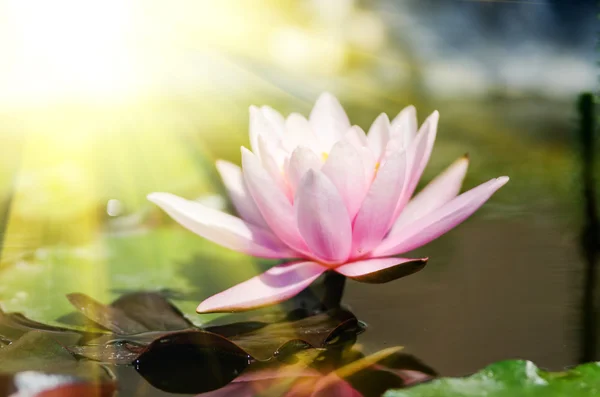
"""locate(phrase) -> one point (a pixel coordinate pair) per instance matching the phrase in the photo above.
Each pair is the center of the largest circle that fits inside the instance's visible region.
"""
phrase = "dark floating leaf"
(510, 379)
(200, 360)
(153, 311)
(132, 313)
(111, 318)
(146, 318)
(325, 329)
(178, 361)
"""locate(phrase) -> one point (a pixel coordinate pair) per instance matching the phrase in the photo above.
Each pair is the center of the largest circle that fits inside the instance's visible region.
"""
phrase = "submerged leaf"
(513, 378)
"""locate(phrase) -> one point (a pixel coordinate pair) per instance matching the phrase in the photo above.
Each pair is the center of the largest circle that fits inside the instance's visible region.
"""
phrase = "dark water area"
(502, 289)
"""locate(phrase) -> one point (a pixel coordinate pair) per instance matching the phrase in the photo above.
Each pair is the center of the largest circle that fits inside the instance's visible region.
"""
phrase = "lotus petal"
(437, 193)
(381, 270)
(277, 284)
(221, 228)
(438, 222)
(238, 193)
(322, 218)
(344, 168)
(373, 219)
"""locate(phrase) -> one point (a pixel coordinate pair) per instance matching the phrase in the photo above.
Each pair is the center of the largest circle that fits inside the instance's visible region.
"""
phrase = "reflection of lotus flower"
(307, 377)
(322, 191)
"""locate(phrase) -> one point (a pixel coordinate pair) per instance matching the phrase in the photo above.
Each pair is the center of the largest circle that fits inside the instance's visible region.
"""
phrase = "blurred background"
(103, 102)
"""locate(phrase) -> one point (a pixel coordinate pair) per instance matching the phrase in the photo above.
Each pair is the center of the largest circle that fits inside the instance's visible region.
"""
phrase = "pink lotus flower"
(323, 192)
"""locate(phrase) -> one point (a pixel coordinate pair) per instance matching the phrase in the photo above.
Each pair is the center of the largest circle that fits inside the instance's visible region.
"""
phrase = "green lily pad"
(513, 378)
(162, 259)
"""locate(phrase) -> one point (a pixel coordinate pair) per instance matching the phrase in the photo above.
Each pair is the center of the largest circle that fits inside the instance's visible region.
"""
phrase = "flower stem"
(334, 290)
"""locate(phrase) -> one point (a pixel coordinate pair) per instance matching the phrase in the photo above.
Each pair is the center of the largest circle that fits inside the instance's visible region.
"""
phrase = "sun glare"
(65, 48)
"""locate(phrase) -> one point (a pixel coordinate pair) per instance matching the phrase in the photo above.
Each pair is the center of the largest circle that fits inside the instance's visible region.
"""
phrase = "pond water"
(507, 284)
(502, 289)
(496, 288)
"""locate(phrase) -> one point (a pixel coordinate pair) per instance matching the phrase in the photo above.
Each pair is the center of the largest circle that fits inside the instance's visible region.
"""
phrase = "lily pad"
(163, 258)
(145, 327)
(132, 313)
(510, 379)
(145, 323)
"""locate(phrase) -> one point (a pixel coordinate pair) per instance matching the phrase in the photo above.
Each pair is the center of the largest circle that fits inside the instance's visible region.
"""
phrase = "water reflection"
(332, 372)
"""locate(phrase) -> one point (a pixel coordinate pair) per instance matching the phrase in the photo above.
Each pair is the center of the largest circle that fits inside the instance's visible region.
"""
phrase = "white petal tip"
(156, 197)
(202, 309)
(502, 180)
(326, 95)
(385, 117)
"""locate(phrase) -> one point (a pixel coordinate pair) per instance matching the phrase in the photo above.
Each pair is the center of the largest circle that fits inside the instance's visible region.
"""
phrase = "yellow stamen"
(324, 156)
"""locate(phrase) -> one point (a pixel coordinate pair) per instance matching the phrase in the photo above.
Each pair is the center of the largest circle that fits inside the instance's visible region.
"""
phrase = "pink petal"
(272, 159)
(437, 193)
(222, 228)
(322, 218)
(274, 206)
(438, 222)
(298, 132)
(260, 126)
(369, 163)
(379, 134)
(381, 270)
(238, 193)
(302, 160)
(374, 217)
(404, 126)
(277, 284)
(344, 168)
(274, 118)
(328, 119)
(356, 136)
(417, 158)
